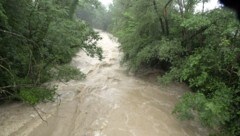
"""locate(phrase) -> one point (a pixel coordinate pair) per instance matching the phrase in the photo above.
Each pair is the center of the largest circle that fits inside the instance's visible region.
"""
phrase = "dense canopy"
(38, 39)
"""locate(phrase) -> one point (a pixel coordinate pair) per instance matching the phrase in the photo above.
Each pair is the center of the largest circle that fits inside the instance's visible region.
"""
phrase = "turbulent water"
(110, 102)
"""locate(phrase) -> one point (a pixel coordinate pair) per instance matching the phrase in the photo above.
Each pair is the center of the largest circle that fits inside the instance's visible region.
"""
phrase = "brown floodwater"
(109, 102)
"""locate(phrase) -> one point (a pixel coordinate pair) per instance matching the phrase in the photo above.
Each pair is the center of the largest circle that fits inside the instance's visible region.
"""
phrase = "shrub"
(35, 95)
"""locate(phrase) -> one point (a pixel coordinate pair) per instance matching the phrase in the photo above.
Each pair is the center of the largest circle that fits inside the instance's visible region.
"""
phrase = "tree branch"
(17, 35)
(159, 17)
(165, 16)
(39, 114)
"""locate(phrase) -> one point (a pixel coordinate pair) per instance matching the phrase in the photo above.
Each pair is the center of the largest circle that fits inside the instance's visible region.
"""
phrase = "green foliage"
(197, 48)
(36, 37)
(188, 103)
(195, 22)
(3, 17)
(213, 112)
(57, 39)
(66, 73)
(33, 96)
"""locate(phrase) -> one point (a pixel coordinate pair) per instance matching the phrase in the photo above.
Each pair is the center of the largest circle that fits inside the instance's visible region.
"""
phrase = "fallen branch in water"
(39, 114)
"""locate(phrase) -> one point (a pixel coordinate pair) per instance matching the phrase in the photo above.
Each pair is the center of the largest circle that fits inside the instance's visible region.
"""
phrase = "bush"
(35, 95)
(66, 73)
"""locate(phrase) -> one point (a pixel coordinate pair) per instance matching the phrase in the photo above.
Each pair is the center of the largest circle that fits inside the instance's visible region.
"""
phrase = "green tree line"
(199, 48)
(38, 38)
(97, 15)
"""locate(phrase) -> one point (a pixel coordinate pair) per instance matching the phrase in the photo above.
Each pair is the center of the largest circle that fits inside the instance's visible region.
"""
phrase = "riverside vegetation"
(38, 40)
(199, 48)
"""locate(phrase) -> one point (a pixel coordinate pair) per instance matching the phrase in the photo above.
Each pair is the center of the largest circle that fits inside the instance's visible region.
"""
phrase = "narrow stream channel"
(110, 102)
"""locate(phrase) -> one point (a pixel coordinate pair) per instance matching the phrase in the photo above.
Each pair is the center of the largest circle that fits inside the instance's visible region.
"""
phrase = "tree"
(34, 42)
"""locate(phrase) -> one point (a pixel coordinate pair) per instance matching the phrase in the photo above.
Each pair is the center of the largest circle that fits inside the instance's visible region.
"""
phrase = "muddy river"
(109, 102)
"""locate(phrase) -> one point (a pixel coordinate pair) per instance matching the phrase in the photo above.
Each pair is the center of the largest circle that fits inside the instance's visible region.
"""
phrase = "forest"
(198, 48)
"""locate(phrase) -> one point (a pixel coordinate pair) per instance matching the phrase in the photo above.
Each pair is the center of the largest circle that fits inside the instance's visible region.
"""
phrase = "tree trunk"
(159, 17)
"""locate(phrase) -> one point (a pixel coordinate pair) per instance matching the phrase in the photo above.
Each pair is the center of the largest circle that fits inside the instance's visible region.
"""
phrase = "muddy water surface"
(110, 102)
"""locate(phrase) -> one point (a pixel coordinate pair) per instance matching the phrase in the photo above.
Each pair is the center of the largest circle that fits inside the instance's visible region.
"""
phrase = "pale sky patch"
(212, 4)
(106, 2)
(208, 6)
